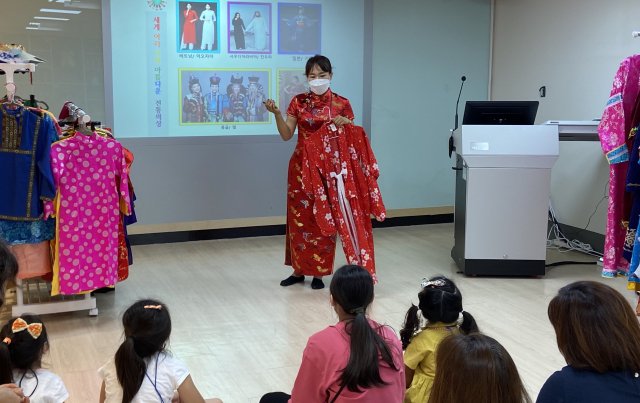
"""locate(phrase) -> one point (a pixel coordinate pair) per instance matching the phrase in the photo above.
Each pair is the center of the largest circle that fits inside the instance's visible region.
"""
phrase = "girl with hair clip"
(23, 342)
(8, 269)
(440, 303)
(142, 371)
(356, 360)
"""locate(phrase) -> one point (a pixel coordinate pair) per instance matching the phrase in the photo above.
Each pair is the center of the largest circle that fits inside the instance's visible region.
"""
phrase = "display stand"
(39, 301)
(38, 293)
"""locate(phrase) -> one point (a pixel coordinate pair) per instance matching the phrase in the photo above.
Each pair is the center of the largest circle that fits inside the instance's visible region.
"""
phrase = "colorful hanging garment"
(307, 250)
(86, 170)
(613, 131)
(339, 168)
(25, 144)
(14, 232)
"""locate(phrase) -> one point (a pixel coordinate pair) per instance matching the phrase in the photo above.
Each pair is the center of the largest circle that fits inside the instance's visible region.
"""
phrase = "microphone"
(451, 147)
(464, 78)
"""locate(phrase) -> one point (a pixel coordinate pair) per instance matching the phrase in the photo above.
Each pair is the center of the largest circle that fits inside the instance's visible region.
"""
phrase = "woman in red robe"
(189, 28)
(307, 250)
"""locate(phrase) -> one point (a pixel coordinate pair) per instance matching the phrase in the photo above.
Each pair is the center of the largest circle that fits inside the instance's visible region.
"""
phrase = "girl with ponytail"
(23, 342)
(440, 303)
(356, 360)
(142, 371)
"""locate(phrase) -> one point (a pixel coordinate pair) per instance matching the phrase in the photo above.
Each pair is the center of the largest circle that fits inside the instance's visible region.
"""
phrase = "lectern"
(503, 180)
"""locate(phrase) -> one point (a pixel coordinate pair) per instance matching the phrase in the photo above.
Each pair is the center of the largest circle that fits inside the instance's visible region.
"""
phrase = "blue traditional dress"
(216, 104)
(15, 232)
(299, 25)
(25, 145)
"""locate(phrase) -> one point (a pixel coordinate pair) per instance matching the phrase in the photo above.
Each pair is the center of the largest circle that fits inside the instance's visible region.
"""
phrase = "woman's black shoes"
(317, 284)
(291, 280)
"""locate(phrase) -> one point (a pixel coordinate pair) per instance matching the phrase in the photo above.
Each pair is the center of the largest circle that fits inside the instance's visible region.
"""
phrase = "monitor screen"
(500, 112)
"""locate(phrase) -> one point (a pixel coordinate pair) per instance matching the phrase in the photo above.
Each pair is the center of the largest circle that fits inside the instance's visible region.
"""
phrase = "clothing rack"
(37, 292)
(78, 114)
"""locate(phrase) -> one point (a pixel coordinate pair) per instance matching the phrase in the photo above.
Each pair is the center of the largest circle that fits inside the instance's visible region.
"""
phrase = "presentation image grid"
(208, 67)
(223, 96)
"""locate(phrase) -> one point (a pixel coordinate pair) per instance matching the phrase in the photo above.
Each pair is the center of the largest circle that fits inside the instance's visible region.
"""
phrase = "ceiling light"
(51, 10)
(51, 18)
(35, 23)
(31, 28)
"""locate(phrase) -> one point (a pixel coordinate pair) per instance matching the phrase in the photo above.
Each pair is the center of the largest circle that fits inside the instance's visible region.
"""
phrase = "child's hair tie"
(433, 283)
(158, 307)
(357, 310)
(6, 341)
(20, 325)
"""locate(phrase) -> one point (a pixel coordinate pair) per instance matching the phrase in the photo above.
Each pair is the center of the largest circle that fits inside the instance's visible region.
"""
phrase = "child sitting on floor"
(440, 302)
(23, 342)
(142, 371)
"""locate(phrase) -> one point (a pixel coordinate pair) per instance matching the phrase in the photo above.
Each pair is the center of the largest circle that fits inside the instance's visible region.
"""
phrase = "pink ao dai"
(91, 177)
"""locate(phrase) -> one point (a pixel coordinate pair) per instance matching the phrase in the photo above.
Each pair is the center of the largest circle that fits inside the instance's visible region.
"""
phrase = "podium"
(503, 180)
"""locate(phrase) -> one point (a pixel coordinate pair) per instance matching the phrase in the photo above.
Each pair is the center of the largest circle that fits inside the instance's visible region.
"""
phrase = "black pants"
(277, 397)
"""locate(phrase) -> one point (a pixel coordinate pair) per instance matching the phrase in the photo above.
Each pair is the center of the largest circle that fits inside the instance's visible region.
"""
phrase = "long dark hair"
(8, 269)
(596, 328)
(352, 289)
(318, 60)
(21, 351)
(475, 368)
(147, 327)
(439, 301)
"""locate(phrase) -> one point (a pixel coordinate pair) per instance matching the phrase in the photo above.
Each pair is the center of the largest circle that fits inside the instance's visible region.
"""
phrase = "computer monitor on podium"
(500, 113)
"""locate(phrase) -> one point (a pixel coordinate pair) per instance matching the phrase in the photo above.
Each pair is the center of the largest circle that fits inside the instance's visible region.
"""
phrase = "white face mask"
(319, 86)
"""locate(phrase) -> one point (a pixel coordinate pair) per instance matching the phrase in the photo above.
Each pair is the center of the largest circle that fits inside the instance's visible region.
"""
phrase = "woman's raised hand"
(271, 106)
(341, 121)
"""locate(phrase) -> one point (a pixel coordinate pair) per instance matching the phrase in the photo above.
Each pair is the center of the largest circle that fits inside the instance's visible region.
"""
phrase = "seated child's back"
(141, 371)
(440, 302)
(23, 343)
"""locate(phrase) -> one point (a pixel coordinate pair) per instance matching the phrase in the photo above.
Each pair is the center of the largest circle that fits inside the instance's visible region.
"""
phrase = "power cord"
(563, 244)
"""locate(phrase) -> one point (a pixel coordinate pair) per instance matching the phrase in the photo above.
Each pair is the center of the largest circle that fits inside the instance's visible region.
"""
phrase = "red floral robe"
(341, 170)
(309, 251)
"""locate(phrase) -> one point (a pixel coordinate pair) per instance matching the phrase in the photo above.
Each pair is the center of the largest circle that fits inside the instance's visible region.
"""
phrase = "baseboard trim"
(269, 230)
(264, 221)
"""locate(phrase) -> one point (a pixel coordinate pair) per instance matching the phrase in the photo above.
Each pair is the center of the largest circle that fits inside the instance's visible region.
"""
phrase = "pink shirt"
(327, 353)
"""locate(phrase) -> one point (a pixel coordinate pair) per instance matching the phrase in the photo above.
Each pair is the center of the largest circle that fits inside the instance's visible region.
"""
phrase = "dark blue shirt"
(573, 385)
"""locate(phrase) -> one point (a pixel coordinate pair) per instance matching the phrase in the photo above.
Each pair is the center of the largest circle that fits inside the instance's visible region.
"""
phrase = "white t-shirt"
(47, 388)
(171, 374)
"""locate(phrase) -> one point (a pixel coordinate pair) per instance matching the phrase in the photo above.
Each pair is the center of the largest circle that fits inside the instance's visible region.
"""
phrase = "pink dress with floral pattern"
(613, 130)
(91, 177)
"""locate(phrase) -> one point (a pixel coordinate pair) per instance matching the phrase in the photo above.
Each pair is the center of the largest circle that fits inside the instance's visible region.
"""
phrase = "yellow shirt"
(420, 356)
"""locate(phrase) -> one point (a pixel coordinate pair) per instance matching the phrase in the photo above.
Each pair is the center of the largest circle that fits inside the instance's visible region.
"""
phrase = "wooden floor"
(242, 335)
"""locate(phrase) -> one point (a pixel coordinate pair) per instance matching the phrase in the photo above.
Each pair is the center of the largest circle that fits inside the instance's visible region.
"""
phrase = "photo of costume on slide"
(291, 82)
(221, 96)
(299, 28)
(249, 27)
(198, 28)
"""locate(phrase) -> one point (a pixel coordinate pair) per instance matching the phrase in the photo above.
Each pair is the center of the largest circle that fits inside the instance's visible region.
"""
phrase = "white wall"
(72, 49)
(421, 48)
(574, 48)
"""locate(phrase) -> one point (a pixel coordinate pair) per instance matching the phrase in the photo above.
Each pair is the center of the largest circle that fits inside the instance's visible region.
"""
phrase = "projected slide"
(206, 68)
